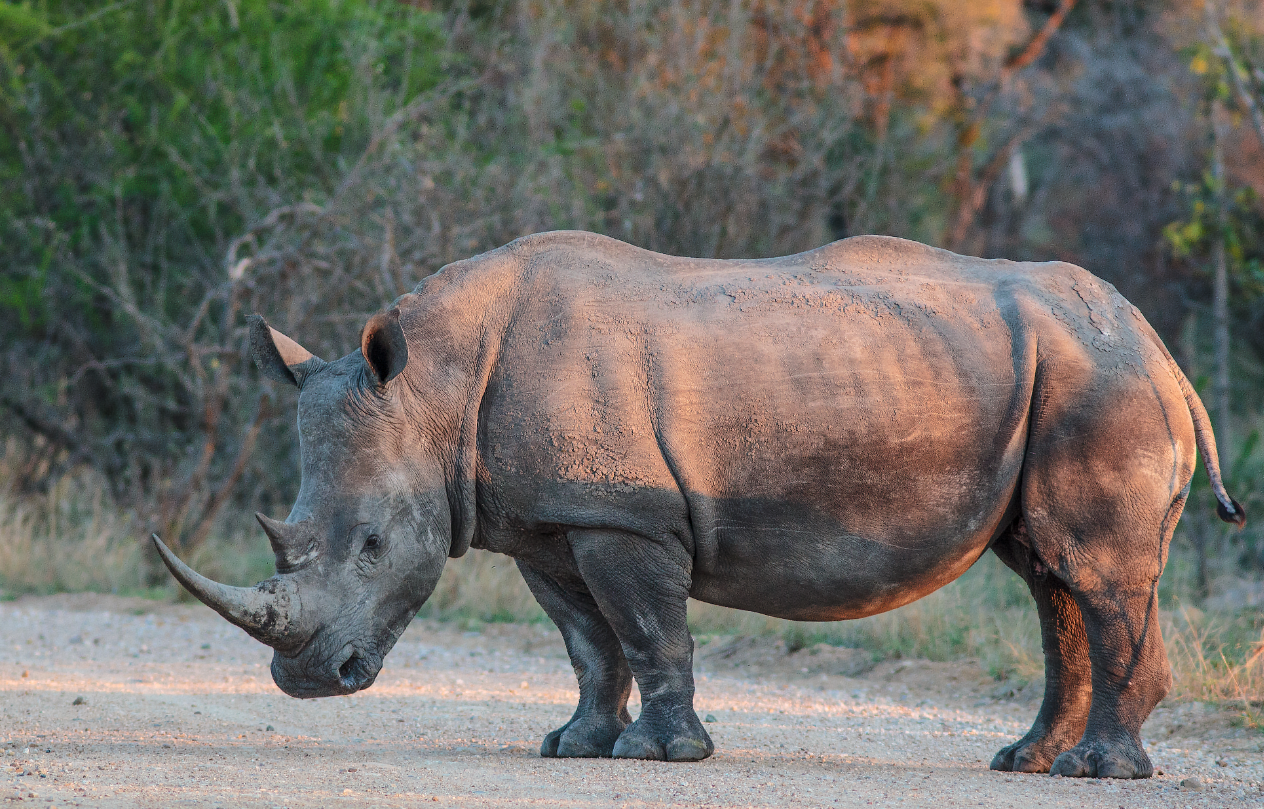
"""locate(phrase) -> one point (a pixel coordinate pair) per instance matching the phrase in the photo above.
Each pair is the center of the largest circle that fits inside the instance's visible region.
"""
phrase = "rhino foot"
(665, 741)
(584, 737)
(1103, 760)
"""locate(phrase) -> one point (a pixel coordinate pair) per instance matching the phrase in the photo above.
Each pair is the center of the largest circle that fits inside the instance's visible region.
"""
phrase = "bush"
(167, 169)
(145, 146)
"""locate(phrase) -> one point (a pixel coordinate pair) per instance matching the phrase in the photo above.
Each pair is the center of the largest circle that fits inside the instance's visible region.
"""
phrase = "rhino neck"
(458, 319)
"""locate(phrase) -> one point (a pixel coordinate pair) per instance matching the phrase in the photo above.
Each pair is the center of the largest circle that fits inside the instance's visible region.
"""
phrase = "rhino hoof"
(583, 738)
(646, 743)
(548, 748)
(1099, 760)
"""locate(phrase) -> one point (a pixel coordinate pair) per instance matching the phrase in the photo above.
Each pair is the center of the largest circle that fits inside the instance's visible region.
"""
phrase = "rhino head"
(367, 538)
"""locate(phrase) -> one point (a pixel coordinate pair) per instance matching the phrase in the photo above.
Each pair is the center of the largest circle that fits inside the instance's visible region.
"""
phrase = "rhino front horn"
(268, 611)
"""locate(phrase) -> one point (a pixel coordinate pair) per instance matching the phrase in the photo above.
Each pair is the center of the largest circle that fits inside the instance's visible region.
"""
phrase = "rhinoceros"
(817, 437)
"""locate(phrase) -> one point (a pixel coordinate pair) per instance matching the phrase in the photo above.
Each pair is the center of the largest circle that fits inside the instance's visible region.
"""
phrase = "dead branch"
(966, 189)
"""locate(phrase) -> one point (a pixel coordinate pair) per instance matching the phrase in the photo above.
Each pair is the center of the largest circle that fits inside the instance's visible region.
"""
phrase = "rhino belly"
(793, 561)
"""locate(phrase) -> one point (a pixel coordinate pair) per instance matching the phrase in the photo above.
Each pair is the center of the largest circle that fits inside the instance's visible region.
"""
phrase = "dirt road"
(176, 708)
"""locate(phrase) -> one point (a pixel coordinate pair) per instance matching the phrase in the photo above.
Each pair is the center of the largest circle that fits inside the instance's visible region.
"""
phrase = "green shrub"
(139, 143)
(147, 104)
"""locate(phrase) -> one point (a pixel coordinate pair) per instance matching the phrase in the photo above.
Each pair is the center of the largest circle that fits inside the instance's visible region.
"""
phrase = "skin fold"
(818, 437)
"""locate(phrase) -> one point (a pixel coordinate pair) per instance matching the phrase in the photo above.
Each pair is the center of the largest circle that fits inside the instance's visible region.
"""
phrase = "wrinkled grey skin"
(823, 436)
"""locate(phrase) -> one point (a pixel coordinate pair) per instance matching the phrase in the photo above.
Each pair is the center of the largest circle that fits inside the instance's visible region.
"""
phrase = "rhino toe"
(1072, 764)
(1003, 761)
(1031, 762)
(590, 737)
(689, 749)
(1029, 756)
(637, 745)
(548, 748)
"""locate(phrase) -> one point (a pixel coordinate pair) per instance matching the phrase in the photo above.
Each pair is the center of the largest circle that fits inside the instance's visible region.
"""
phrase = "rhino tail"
(1227, 508)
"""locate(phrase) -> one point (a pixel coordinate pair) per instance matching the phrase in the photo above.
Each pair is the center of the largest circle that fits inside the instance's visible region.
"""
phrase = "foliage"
(167, 168)
(1218, 212)
(141, 143)
(1242, 232)
(1227, 210)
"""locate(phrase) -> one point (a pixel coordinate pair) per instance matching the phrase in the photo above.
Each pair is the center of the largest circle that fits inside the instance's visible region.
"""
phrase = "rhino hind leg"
(1105, 480)
(1063, 713)
(642, 587)
(1130, 676)
(604, 677)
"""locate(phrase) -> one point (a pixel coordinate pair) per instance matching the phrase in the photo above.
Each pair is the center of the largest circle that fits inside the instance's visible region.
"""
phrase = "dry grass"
(987, 614)
(1219, 658)
(72, 539)
(482, 587)
(67, 540)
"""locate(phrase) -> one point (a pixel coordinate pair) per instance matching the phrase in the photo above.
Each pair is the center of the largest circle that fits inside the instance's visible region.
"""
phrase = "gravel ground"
(176, 708)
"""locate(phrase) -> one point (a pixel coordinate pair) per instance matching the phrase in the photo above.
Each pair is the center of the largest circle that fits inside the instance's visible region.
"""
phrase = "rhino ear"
(383, 346)
(278, 357)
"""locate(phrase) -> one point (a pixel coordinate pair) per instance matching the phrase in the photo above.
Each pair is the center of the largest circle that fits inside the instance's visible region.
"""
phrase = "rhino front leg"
(604, 677)
(642, 587)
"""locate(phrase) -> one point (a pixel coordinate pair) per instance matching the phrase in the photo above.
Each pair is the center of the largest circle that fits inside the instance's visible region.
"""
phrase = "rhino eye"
(372, 544)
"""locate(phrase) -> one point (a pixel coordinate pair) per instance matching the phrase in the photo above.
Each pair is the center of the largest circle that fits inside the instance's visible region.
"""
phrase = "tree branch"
(1221, 47)
(1038, 43)
(969, 207)
(51, 429)
(220, 497)
(965, 186)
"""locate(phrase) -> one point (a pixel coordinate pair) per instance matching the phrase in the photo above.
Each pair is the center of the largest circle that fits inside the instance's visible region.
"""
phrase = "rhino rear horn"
(291, 542)
(268, 611)
(278, 357)
(383, 345)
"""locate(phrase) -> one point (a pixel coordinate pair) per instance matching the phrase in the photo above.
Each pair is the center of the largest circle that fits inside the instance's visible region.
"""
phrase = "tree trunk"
(1199, 531)
(1220, 292)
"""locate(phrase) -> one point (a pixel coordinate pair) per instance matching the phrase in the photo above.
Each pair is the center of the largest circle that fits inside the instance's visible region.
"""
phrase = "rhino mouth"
(349, 670)
(353, 666)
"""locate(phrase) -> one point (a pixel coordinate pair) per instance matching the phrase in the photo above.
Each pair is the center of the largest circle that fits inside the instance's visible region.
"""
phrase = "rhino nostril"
(348, 669)
(356, 672)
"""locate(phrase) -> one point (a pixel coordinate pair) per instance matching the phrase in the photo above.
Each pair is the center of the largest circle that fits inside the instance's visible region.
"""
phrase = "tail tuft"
(1237, 516)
